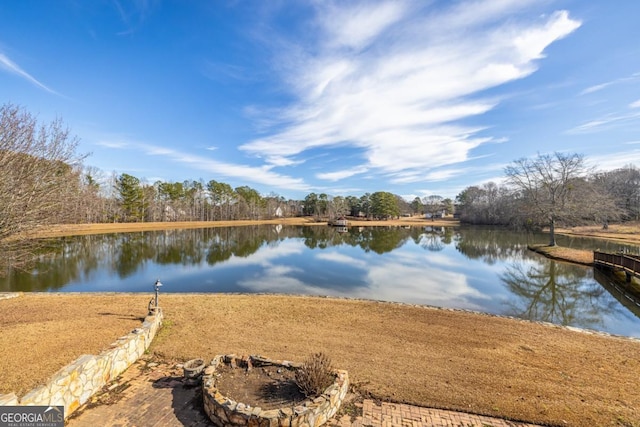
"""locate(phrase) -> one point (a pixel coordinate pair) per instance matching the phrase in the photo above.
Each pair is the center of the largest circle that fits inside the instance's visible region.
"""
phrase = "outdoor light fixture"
(153, 303)
(156, 286)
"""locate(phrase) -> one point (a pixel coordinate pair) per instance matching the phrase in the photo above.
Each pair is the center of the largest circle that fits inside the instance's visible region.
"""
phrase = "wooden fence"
(629, 263)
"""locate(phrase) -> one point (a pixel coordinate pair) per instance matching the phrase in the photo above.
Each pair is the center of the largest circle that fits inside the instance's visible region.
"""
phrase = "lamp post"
(156, 286)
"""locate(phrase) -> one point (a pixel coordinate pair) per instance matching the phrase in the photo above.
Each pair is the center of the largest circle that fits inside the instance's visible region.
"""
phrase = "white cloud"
(605, 122)
(14, 68)
(601, 86)
(338, 175)
(595, 88)
(610, 120)
(261, 174)
(613, 161)
(443, 175)
(355, 26)
(401, 99)
(282, 161)
(113, 143)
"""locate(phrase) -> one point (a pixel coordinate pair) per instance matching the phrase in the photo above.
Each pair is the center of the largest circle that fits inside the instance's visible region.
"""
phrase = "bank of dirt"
(424, 356)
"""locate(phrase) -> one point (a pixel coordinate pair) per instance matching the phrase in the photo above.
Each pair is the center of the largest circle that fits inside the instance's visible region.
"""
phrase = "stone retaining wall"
(224, 411)
(74, 384)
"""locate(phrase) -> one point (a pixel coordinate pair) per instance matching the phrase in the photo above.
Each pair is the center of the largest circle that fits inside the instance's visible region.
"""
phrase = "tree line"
(553, 190)
(45, 182)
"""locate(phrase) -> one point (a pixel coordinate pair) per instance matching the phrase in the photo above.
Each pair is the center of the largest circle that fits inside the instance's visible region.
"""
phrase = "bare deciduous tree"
(548, 187)
(40, 174)
(433, 205)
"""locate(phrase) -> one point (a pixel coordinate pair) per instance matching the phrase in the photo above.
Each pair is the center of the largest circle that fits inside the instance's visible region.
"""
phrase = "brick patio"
(148, 395)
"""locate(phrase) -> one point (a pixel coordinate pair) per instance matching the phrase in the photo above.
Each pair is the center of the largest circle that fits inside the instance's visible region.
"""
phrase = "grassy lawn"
(577, 256)
(425, 356)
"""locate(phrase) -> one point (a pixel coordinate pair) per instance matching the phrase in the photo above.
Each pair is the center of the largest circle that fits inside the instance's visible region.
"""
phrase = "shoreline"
(64, 230)
(624, 233)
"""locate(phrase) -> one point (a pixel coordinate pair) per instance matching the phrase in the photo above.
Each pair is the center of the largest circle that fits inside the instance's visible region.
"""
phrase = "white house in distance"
(436, 215)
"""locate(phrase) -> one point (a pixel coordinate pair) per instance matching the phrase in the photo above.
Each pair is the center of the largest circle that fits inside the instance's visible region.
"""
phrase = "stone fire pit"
(224, 411)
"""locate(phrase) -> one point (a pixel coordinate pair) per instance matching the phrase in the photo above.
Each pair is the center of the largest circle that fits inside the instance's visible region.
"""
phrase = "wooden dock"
(630, 264)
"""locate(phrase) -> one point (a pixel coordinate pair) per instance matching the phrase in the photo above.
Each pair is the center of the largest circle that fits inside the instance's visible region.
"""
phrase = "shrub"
(315, 375)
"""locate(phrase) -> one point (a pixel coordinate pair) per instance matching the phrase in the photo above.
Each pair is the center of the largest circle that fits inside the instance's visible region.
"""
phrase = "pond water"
(480, 269)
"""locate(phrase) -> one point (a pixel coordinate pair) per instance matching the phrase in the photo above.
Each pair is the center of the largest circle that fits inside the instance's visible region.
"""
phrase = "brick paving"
(392, 415)
(145, 395)
(153, 394)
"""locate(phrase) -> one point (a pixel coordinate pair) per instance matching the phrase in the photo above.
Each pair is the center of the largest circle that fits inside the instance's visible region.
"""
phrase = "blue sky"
(341, 97)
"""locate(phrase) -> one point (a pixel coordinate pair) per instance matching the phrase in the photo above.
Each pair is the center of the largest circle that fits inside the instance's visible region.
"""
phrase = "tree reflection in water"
(557, 293)
(433, 239)
(478, 268)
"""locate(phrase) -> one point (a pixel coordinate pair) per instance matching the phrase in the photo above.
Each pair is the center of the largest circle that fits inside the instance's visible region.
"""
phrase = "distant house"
(435, 215)
(278, 213)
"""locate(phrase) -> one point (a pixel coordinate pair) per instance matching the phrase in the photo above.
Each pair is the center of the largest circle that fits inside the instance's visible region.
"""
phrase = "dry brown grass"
(84, 229)
(628, 232)
(577, 256)
(41, 333)
(431, 357)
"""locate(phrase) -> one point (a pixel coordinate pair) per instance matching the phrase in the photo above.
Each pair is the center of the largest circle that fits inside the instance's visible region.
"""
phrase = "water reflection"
(491, 245)
(558, 293)
(619, 289)
(480, 269)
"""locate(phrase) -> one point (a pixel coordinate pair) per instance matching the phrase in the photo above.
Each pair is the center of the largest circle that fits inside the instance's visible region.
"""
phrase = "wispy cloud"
(613, 161)
(605, 122)
(396, 81)
(614, 119)
(10, 66)
(261, 175)
(133, 13)
(338, 175)
(596, 88)
(355, 26)
(225, 73)
(601, 86)
(113, 143)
